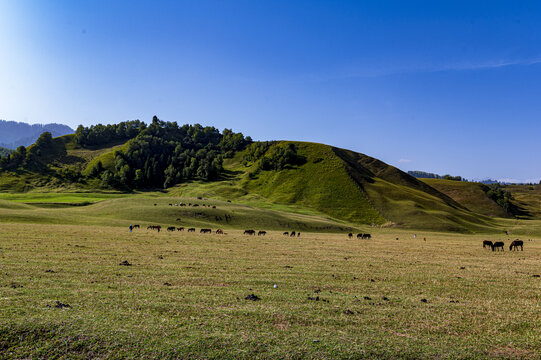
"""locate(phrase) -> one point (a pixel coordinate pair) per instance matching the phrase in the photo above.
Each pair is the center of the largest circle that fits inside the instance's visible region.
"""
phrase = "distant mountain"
(14, 134)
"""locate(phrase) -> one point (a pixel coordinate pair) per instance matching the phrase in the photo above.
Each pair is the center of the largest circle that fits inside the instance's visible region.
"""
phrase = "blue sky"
(447, 87)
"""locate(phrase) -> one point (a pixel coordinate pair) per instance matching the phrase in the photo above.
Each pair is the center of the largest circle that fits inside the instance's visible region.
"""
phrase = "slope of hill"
(528, 198)
(471, 195)
(351, 187)
(300, 177)
(14, 134)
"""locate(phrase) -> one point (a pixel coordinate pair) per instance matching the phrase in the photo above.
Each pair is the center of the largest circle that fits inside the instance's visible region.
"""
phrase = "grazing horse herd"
(360, 236)
(496, 246)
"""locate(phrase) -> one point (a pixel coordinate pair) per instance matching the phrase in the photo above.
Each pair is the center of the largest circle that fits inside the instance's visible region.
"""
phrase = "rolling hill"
(293, 177)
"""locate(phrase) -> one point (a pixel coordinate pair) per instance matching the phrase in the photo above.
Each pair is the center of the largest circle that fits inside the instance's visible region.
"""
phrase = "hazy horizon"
(448, 88)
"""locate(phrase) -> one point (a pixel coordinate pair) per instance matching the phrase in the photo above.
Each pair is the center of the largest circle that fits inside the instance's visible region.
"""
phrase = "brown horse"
(487, 243)
(498, 245)
(249, 232)
(515, 244)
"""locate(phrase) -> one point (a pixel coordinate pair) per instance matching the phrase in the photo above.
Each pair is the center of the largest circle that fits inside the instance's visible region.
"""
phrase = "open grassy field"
(184, 294)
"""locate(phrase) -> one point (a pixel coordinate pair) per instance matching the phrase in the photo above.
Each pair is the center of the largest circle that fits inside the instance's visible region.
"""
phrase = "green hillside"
(295, 177)
(471, 195)
(528, 198)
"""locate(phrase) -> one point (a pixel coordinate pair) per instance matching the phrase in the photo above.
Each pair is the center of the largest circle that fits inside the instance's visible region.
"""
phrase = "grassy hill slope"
(329, 182)
(528, 198)
(344, 185)
(469, 194)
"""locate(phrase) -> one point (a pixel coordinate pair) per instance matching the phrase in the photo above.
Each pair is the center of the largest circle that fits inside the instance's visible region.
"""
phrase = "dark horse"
(249, 232)
(497, 245)
(487, 243)
(515, 244)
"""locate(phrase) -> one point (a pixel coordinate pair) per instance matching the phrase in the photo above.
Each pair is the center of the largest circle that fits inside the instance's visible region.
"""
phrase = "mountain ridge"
(14, 134)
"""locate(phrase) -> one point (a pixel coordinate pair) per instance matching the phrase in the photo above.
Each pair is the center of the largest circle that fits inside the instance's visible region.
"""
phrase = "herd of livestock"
(495, 246)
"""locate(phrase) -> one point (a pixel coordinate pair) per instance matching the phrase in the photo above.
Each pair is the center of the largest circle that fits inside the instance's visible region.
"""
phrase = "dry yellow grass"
(183, 296)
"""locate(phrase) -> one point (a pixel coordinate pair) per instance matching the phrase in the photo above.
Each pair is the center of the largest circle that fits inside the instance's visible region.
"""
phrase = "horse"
(515, 244)
(191, 230)
(487, 243)
(219, 231)
(249, 232)
(292, 234)
(367, 236)
(171, 228)
(261, 232)
(136, 226)
(359, 236)
(205, 231)
(498, 245)
(298, 234)
(180, 229)
(286, 233)
(350, 235)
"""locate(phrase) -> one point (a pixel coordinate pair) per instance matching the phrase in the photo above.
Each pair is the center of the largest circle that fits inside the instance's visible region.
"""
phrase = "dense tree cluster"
(5, 152)
(34, 157)
(272, 155)
(502, 197)
(164, 154)
(97, 135)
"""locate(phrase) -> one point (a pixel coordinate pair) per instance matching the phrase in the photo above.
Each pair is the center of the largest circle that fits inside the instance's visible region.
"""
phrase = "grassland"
(184, 295)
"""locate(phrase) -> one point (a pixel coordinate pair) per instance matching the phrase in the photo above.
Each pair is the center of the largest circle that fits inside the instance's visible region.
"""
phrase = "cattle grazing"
(292, 233)
(180, 229)
(350, 235)
(136, 226)
(171, 228)
(205, 231)
(191, 230)
(286, 233)
(261, 232)
(515, 244)
(359, 236)
(487, 243)
(498, 245)
(249, 232)
(219, 231)
(367, 236)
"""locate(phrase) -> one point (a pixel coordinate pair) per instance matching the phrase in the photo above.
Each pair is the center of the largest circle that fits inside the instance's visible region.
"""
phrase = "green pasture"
(395, 296)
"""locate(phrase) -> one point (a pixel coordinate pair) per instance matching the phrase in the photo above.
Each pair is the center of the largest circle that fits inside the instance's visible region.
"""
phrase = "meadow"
(320, 295)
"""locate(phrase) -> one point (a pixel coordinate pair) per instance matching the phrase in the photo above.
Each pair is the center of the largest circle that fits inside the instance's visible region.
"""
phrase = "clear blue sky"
(447, 87)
